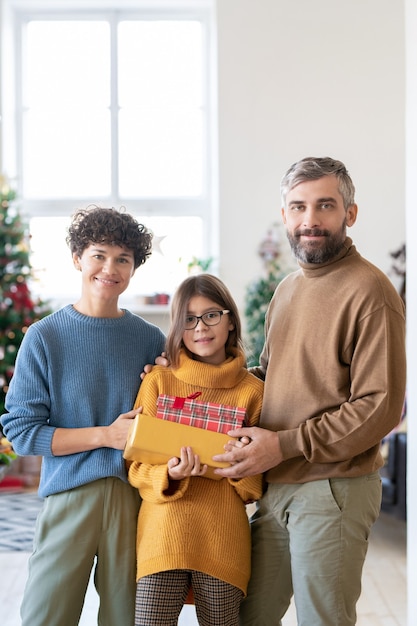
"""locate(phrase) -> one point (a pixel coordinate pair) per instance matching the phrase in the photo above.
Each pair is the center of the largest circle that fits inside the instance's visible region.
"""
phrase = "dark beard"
(309, 252)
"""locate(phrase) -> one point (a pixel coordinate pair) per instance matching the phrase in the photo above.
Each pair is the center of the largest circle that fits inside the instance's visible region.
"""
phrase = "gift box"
(154, 440)
(183, 422)
(219, 418)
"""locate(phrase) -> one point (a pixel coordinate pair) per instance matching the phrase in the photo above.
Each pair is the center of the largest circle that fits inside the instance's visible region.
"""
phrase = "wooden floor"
(383, 600)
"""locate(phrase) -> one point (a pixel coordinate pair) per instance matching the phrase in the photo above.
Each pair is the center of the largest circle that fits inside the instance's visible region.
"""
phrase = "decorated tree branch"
(277, 264)
(18, 307)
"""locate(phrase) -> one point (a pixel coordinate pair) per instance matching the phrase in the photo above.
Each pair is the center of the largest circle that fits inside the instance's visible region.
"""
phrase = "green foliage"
(18, 309)
(199, 265)
(7, 454)
(258, 296)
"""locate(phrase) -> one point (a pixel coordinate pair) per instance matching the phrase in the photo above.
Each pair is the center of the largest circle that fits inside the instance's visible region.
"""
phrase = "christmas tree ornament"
(18, 307)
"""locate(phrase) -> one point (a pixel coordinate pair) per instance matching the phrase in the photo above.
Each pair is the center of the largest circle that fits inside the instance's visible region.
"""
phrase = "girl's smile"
(207, 343)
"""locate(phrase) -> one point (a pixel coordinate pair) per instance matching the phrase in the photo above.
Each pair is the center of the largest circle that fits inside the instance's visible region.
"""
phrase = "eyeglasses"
(211, 318)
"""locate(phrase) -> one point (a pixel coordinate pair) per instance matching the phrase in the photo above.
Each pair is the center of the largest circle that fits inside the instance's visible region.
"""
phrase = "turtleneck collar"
(348, 248)
(223, 376)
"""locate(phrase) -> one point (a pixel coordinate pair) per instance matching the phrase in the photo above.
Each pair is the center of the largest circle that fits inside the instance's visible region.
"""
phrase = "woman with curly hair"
(70, 401)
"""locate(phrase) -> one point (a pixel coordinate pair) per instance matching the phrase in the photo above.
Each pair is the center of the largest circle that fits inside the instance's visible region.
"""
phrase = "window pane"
(67, 153)
(160, 63)
(161, 119)
(176, 241)
(66, 119)
(67, 62)
(51, 258)
(160, 153)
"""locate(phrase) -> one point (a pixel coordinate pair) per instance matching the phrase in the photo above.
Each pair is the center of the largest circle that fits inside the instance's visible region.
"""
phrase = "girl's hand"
(187, 465)
(243, 441)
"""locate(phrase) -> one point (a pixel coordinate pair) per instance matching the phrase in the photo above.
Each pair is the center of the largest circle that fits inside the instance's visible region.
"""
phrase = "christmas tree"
(260, 291)
(18, 308)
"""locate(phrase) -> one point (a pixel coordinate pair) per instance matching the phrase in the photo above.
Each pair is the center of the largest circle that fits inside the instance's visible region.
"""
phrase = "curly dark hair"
(109, 226)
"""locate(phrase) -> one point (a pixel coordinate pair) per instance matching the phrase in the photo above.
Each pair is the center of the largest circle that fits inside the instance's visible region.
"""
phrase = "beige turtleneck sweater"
(335, 368)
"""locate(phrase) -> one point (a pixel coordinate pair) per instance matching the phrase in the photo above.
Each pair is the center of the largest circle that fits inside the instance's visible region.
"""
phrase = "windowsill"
(149, 308)
(135, 305)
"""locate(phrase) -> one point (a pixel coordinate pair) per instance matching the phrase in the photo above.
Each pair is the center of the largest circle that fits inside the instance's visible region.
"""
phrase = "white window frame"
(15, 13)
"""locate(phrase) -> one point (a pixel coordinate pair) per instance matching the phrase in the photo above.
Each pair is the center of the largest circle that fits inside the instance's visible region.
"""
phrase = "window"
(55, 275)
(111, 105)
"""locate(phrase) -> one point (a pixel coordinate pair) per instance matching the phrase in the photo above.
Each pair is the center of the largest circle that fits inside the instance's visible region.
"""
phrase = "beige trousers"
(310, 540)
(90, 527)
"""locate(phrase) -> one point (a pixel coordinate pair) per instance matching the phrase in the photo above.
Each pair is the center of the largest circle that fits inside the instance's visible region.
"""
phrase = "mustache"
(312, 232)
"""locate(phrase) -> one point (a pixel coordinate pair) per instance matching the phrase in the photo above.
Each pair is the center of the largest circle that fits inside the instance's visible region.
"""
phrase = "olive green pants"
(93, 526)
(310, 541)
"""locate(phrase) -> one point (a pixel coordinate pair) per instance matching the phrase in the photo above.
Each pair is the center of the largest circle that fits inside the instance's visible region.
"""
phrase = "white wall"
(321, 78)
(307, 78)
(411, 221)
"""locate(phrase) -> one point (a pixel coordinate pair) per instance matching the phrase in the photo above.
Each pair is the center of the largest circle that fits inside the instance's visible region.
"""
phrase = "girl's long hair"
(214, 289)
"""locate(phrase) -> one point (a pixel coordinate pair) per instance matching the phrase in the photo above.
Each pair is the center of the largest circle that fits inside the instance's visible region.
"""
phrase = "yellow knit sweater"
(199, 524)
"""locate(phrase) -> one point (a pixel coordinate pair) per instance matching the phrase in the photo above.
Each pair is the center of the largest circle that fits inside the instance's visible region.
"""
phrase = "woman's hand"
(118, 431)
(73, 440)
(187, 465)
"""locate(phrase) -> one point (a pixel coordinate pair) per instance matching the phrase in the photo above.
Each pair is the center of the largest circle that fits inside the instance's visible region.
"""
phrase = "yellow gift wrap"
(155, 441)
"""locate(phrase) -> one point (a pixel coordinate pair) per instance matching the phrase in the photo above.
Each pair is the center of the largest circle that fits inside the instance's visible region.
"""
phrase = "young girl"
(193, 531)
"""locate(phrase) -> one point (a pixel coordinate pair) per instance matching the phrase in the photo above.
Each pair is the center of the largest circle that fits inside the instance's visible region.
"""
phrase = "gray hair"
(313, 168)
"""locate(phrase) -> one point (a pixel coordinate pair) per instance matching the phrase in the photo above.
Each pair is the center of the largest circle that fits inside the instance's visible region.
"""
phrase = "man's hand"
(261, 454)
(160, 360)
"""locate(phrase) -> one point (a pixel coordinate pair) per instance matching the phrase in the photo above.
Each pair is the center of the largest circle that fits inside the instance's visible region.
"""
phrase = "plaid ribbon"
(219, 418)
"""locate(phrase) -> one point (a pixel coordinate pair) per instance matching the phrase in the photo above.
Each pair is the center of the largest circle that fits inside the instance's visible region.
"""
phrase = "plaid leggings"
(161, 596)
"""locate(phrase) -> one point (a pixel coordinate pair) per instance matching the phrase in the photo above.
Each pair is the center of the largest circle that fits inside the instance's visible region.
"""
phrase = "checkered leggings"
(160, 598)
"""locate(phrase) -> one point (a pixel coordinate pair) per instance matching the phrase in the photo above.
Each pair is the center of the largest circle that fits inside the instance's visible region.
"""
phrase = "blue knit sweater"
(75, 371)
